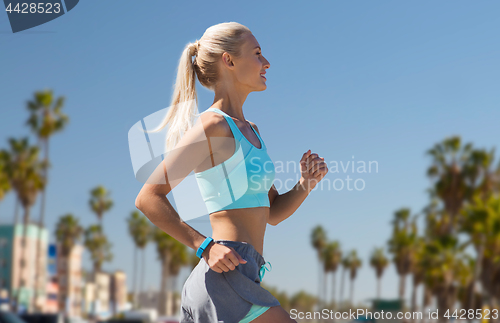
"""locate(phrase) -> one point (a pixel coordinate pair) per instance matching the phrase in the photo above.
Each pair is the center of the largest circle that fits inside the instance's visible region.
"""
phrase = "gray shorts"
(211, 297)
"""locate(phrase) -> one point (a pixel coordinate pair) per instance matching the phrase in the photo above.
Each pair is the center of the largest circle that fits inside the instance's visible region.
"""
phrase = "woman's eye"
(258, 53)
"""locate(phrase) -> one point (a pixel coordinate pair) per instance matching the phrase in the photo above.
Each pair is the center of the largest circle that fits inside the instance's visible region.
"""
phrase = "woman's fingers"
(313, 164)
(320, 171)
(230, 260)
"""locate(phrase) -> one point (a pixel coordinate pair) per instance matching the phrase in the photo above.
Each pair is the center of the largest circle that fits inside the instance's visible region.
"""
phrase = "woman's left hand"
(313, 169)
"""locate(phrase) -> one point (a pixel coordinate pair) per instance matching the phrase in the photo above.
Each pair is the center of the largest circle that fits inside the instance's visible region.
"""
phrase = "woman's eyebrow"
(258, 47)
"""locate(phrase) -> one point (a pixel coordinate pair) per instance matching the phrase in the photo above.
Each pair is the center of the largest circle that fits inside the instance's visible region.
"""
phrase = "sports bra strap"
(234, 128)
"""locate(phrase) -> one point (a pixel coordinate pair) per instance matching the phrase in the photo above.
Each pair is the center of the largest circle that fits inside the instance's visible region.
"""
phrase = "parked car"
(75, 320)
(167, 319)
(42, 317)
(8, 317)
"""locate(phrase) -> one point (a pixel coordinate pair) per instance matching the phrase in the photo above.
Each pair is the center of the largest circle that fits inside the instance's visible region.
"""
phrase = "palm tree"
(24, 169)
(452, 173)
(5, 181)
(481, 172)
(100, 250)
(68, 233)
(5, 186)
(379, 262)
(100, 202)
(402, 244)
(302, 301)
(98, 246)
(345, 266)
(318, 241)
(45, 120)
(482, 223)
(443, 258)
(354, 264)
(180, 258)
(165, 244)
(140, 230)
(332, 256)
(418, 270)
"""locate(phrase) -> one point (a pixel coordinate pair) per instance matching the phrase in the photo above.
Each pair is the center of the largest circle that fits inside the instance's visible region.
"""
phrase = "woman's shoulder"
(215, 124)
(254, 126)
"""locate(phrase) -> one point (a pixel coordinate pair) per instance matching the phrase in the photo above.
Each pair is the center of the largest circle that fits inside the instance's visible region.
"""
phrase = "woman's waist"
(244, 225)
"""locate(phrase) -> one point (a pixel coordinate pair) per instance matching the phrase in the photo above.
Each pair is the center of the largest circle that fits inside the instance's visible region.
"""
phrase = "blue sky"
(365, 81)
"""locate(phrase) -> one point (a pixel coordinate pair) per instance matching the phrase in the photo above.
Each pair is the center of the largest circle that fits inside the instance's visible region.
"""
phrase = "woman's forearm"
(285, 205)
(160, 212)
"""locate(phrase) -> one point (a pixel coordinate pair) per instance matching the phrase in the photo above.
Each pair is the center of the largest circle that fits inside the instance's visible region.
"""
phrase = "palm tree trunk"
(173, 308)
(143, 269)
(319, 284)
(378, 287)
(342, 279)
(162, 309)
(334, 275)
(16, 211)
(38, 252)
(402, 286)
(135, 277)
(414, 299)
(21, 281)
(66, 289)
(351, 293)
(477, 268)
(325, 296)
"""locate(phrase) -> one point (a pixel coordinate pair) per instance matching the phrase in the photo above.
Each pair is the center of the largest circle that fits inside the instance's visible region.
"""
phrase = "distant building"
(148, 299)
(102, 281)
(52, 301)
(118, 291)
(10, 264)
(96, 299)
(52, 289)
(69, 278)
(88, 297)
(151, 299)
(52, 260)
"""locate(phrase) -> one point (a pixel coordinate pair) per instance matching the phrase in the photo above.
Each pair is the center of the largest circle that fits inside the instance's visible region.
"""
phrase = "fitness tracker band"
(203, 246)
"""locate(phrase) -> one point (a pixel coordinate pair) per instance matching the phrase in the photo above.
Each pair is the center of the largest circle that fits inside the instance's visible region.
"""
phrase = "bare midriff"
(245, 225)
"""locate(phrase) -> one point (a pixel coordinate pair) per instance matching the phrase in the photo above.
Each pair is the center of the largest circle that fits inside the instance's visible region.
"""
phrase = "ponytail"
(184, 105)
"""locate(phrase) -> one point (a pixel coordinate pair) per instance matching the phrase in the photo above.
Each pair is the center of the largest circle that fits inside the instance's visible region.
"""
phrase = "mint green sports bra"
(241, 181)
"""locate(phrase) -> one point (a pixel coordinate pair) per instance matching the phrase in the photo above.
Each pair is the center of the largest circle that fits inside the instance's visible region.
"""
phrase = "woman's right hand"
(221, 258)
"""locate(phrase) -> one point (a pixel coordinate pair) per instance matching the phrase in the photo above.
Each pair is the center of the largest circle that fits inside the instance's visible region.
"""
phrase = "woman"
(225, 285)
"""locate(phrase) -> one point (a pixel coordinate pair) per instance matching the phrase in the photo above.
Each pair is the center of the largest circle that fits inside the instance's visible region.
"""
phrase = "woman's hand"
(313, 169)
(221, 258)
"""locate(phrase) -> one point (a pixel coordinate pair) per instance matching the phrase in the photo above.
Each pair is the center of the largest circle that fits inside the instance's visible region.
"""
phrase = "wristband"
(203, 246)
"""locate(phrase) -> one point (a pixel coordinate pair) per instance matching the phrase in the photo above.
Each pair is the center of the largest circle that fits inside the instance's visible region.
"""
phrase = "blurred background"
(400, 98)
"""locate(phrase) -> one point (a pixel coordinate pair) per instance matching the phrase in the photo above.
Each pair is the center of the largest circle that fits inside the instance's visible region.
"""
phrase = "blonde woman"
(235, 176)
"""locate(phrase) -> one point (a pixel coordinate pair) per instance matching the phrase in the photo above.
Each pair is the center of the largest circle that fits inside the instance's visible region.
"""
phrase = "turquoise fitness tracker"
(203, 246)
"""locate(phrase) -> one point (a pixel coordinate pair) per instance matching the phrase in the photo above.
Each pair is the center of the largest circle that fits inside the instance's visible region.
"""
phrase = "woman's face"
(248, 67)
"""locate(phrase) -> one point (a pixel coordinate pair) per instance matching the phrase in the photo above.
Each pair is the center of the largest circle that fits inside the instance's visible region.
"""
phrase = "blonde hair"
(207, 51)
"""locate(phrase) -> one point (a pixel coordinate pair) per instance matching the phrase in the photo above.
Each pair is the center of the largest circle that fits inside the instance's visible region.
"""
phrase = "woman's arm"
(190, 152)
(160, 212)
(284, 205)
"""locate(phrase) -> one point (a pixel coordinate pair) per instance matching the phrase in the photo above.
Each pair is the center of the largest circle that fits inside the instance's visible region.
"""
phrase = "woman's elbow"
(139, 201)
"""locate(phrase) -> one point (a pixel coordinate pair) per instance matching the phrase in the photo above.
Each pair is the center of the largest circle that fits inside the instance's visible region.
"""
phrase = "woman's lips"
(263, 77)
